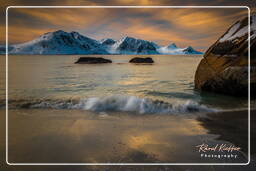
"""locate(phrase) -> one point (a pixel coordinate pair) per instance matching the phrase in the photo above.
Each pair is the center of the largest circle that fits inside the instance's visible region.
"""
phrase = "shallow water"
(35, 78)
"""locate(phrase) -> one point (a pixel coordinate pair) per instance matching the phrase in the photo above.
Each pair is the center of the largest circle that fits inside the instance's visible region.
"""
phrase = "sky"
(195, 27)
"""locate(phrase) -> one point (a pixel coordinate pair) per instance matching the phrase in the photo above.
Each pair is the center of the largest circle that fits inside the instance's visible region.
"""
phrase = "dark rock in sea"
(92, 60)
(141, 60)
(224, 68)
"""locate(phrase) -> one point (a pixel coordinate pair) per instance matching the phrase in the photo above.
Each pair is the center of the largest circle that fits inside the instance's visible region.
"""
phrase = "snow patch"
(234, 33)
(231, 31)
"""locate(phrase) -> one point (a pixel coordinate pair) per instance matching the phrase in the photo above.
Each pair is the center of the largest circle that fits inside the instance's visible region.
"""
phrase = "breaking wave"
(115, 104)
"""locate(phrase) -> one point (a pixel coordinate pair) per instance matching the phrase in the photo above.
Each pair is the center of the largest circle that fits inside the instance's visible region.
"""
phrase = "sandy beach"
(40, 136)
(75, 136)
(231, 126)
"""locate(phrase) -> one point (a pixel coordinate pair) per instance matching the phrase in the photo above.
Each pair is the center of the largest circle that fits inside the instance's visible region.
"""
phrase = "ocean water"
(63, 112)
(55, 82)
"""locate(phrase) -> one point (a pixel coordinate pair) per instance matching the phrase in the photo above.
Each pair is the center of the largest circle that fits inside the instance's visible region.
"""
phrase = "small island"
(92, 60)
(142, 60)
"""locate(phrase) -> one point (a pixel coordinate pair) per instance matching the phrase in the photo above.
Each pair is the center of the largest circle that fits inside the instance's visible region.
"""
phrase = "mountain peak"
(75, 33)
(107, 41)
(78, 36)
(62, 42)
(172, 45)
(189, 48)
(130, 45)
(49, 35)
(126, 38)
(58, 32)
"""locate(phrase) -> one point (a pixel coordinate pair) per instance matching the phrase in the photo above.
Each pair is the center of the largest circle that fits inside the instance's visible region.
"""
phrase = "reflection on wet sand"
(80, 136)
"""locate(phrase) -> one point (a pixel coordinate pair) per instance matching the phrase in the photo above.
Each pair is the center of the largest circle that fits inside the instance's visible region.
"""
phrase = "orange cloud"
(64, 17)
(23, 34)
(2, 35)
(183, 26)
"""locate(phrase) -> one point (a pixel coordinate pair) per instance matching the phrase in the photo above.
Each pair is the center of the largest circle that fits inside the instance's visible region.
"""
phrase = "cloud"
(185, 27)
(27, 33)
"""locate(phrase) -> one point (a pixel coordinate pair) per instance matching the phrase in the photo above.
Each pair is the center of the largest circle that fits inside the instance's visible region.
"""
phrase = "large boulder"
(224, 67)
(141, 60)
(92, 60)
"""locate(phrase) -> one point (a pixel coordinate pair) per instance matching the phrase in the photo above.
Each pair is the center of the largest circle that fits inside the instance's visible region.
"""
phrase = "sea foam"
(118, 103)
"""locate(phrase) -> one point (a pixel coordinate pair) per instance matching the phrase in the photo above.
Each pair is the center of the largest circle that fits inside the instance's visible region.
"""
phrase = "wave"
(180, 95)
(115, 103)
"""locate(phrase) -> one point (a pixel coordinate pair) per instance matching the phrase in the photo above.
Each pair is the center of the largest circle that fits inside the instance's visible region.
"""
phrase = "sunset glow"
(195, 27)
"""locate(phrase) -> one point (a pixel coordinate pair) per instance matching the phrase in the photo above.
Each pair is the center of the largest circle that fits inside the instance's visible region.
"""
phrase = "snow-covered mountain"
(172, 49)
(190, 50)
(107, 41)
(2, 48)
(61, 42)
(130, 45)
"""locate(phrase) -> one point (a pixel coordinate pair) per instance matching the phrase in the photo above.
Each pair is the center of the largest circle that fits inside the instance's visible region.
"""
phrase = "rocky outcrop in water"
(224, 67)
(141, 60)
(92, 60)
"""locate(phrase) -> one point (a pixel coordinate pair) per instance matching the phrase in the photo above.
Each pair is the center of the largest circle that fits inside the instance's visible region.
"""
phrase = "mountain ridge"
(60, 42)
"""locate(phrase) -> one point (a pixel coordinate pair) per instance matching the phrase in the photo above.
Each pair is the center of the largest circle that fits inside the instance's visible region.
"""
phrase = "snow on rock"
(253, 27)
(107, 41)
(130, 45)
(231, 31)
(190, 50)
(240, 29)
(172, 49)
(224, 67)
(61, 42)
(172, 46)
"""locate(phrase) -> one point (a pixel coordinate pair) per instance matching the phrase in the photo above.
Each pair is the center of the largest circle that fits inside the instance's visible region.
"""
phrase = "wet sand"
(78, 136)
(231, 126)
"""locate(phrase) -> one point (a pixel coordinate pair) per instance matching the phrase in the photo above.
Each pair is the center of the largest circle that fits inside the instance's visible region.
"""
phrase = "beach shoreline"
(43, 135)
(231, 126)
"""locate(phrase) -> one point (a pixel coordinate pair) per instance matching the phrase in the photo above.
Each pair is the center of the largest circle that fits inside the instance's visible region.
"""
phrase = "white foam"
(120, 103)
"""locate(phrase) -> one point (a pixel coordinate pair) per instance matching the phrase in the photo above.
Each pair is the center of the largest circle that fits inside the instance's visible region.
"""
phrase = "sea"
(62, 112)
(55, 82)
